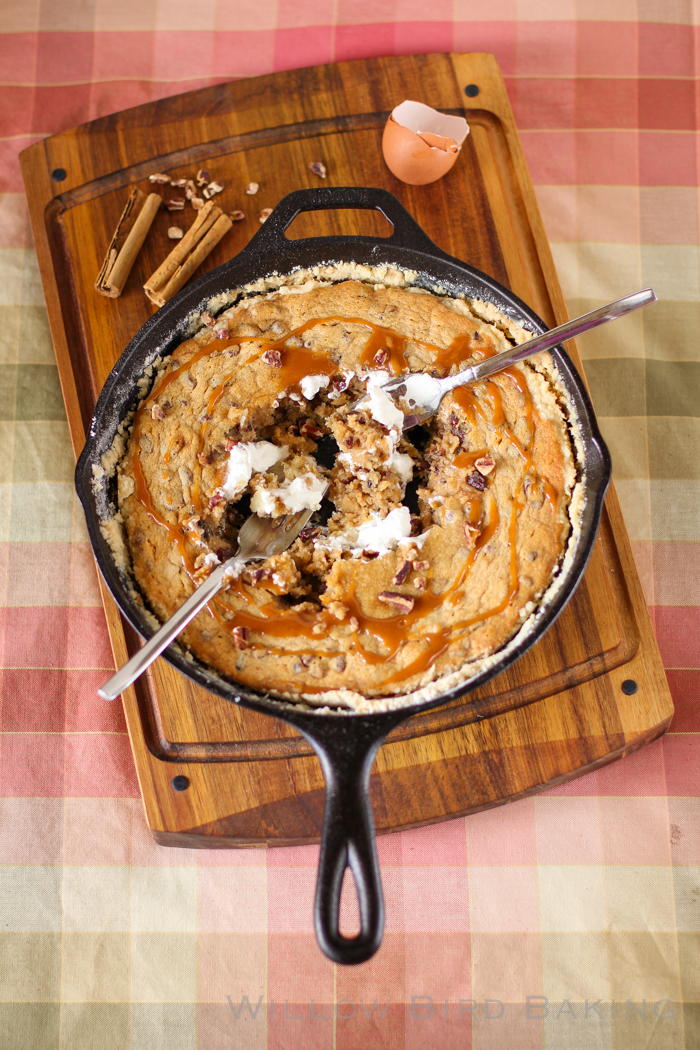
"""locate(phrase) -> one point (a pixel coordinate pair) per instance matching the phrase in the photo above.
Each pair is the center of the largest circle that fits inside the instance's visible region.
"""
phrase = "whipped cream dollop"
(303, 493)
(378, 534)
(380, 406)
(310, 385)
(248, 458)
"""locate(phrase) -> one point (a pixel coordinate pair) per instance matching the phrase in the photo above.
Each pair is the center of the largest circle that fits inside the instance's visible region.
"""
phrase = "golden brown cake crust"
(380, 597)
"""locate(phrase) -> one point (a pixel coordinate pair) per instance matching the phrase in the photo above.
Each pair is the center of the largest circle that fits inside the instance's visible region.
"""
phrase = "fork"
(423, 393)
(258, 538)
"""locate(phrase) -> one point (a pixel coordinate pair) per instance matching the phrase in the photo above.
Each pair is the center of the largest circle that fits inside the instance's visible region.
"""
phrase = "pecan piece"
(159, 179)
(190, 189)
(157, 412)
(470, 532)
(403, 572)
(485, 465)
(265, 215)
(211, 189)
(399, 601)
(340, 663)
(310, 533)
(207, 318)
(202, 177)
(179, 183)
(421, 566)
(273, 358)
(477, 482)
(420, 583)
(309, 429)
(252, 188)
(236, 216)
(175, 233)
(318, 169)
(381, 357)
(197, 203)
(175, 204)
(240, 637)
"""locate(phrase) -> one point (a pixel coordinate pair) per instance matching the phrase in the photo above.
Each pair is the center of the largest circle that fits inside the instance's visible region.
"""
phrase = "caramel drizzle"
(394, 631)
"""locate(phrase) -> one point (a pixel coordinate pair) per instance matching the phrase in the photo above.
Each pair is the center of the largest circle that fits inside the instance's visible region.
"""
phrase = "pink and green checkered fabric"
(567, 920)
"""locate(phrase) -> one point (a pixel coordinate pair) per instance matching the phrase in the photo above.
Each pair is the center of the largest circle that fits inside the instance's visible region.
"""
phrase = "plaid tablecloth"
(567, 920)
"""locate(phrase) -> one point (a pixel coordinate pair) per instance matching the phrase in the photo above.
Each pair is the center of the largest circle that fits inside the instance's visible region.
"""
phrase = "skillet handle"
(346, 750)
(271, 236)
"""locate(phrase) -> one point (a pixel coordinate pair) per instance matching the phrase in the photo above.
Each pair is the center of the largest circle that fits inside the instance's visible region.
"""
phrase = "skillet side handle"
(271, 238)
(346, 750)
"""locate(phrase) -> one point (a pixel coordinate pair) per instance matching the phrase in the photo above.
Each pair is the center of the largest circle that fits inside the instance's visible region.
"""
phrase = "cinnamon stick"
(205, 232)
(134, 224)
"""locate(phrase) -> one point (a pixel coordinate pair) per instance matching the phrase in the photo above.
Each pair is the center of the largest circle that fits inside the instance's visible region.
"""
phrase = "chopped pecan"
(221, 333)
(240, 637)
(421, 566)
(159, 178)
(318, 169)
(485, 465)
(477, 482)
(381, 357)
(265, 214)
(420, 583)
(310, 533)
(339, 383)
(207, 318)
(175, 204)
(211, 189)
(216, 499)
(236, 216)
(399, 601)
(340, 663)
(197, 203)
(190, 189)
(204, 459)
(309, 429)
(403, 573)
(157, 412)
(470, 532)
(273, 358)
(202, 177)
(175, 233)
(179, 183)
(252, 188)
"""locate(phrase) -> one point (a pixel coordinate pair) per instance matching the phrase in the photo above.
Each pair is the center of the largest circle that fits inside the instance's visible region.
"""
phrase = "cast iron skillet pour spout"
(345, 743)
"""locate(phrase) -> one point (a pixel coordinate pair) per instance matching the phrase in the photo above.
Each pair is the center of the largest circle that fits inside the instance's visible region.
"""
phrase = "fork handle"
(490, 365)
(166, 634)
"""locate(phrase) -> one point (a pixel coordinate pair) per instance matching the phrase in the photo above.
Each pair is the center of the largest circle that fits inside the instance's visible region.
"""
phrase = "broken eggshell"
(421, 144)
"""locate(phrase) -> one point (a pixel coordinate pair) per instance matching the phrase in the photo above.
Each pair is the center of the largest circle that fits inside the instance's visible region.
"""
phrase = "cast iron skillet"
(346, 744)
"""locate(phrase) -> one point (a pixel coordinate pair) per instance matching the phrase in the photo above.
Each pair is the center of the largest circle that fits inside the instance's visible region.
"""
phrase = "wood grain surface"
(558, 712)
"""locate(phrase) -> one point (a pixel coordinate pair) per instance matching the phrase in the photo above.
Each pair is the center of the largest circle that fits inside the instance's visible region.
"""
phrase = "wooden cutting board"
(594, 687)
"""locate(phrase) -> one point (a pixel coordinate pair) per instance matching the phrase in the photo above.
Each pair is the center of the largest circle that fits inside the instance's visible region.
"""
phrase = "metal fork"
(422, 393)
(258, 538)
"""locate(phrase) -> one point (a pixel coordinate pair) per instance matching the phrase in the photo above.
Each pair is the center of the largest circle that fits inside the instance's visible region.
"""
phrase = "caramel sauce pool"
(391, 632)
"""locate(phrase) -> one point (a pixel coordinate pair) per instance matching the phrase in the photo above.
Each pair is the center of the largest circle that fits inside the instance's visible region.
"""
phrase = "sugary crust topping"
(432, 547)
